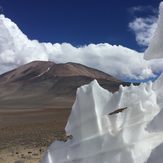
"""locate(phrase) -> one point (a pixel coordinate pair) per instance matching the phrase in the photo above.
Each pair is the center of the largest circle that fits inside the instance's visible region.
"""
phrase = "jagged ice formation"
(102, 137)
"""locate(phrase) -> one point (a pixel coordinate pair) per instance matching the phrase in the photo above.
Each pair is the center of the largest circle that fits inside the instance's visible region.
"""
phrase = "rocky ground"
(26, 134)
(22, 154)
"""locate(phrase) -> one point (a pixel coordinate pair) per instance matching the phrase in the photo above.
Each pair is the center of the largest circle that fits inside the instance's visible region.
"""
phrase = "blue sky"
(78, 22)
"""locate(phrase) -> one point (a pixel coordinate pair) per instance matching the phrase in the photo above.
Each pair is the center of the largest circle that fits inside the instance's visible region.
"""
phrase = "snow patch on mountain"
(44, 72)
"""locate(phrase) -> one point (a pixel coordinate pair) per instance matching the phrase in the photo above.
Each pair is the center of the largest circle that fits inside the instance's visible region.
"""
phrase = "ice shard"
(109, 128)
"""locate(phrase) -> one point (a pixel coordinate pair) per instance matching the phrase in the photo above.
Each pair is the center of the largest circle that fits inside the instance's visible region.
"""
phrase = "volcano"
(47, 84)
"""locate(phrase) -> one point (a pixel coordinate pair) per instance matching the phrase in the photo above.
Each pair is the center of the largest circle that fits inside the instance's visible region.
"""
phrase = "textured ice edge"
(101, 135)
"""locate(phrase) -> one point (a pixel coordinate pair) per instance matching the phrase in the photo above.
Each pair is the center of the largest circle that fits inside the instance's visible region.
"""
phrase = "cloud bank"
(16, 49)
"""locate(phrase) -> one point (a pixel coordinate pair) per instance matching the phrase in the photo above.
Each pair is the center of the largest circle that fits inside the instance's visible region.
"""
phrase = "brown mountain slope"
(41, 70)
(39, 84)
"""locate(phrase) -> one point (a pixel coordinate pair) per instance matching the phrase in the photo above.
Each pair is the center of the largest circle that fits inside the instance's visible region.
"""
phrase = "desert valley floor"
(26, 134)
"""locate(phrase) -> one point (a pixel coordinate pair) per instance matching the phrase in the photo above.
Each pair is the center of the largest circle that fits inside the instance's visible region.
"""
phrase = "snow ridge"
(99, 137)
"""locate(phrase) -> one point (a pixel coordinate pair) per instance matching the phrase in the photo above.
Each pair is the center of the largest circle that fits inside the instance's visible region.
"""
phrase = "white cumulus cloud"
(144, 29)
(16, 49)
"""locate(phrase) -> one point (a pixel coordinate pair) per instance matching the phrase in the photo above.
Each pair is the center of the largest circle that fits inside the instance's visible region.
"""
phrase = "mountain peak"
(46, 69)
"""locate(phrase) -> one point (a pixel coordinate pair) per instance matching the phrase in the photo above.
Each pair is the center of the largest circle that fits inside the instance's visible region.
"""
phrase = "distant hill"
(41, 84)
